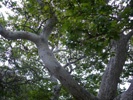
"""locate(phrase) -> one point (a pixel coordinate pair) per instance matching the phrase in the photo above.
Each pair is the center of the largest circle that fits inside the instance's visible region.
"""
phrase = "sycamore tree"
(66, 49)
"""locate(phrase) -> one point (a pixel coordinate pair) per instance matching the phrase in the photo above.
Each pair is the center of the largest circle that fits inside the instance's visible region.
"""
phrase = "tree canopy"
(66, 50)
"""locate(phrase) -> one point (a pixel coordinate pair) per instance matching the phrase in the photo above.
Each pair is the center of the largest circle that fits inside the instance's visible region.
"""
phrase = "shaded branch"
(55, 69)
(107, 1)
(50, 23)
(114, 69)
(127, 95)
(57, 51)
(72, 62)
(14, 35)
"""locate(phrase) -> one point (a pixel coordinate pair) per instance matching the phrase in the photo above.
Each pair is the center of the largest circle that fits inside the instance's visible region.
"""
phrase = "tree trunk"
(114, 68)
(61, 74)
(110, 78)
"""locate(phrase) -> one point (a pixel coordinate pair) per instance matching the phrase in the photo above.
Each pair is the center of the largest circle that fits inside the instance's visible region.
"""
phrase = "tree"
(91, 35)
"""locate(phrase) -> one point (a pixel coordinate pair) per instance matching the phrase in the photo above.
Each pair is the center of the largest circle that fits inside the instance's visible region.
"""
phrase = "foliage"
(81, 37)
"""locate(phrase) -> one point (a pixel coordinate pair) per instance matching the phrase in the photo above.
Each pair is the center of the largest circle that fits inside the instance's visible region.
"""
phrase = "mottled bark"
(49, 60)
(61, 74)
(127, 95)
(110, 78)
(114, 68)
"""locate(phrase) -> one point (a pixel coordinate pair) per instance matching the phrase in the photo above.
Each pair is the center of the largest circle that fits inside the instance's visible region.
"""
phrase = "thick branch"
(61, 74)
(49, 26)
(112, 73)
(18, 35)
(50, 23)
(127, 95)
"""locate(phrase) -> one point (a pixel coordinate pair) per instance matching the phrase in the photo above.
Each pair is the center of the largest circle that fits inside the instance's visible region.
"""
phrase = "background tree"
(85, 45)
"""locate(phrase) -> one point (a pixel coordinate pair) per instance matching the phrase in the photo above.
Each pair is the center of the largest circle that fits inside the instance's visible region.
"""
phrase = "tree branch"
(61, 74)
(114, 68)
(72, 62)
(50, 23)
(107, 1)
(127, 95)
(14, 35)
